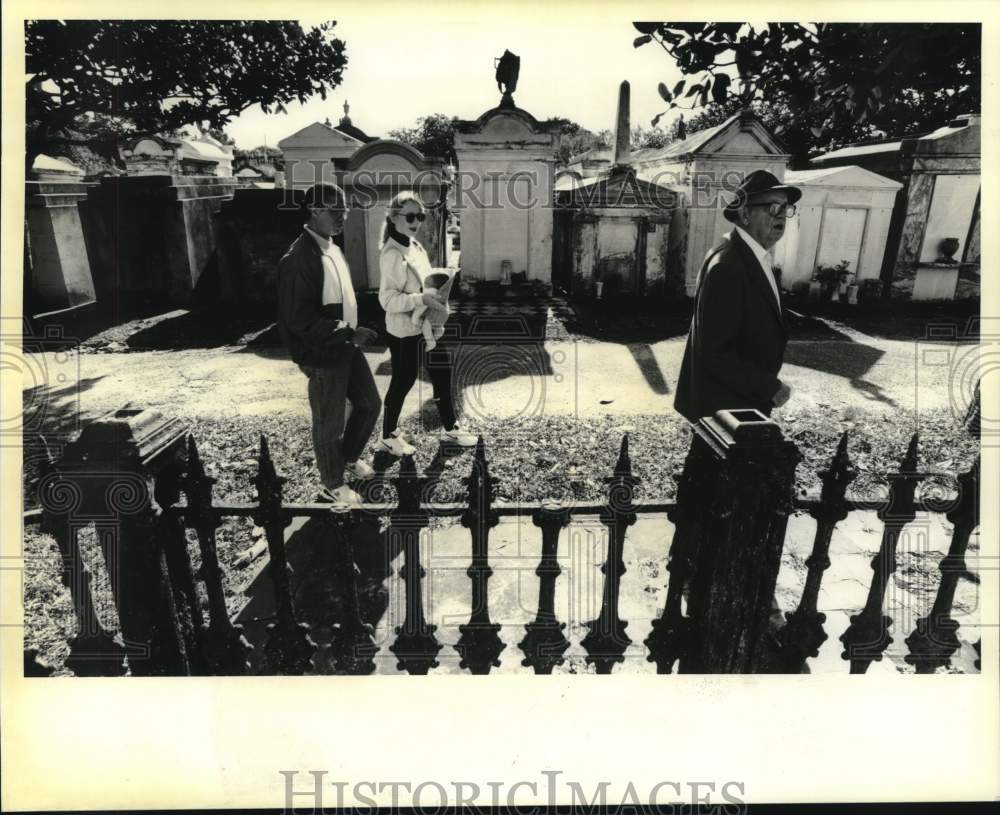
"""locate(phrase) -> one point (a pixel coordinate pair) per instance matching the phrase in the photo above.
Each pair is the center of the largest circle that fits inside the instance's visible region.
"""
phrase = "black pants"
(407, 354)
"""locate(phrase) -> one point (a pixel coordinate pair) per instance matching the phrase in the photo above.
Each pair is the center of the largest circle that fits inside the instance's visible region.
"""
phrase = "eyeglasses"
(776, 210)
(419, 217)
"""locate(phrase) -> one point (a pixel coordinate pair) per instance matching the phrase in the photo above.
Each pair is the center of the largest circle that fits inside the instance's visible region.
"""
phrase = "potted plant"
(947, 248)
(846, 276)
(827, 277)
(834, 280)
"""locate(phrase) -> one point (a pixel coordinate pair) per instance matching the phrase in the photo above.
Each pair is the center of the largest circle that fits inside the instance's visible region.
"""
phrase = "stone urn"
(948, 247)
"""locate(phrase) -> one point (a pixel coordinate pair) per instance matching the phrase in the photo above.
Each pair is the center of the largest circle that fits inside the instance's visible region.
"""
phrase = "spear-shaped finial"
(407, 467)
(265, 454)
(909, 462)
(624, 465)
(195, 468)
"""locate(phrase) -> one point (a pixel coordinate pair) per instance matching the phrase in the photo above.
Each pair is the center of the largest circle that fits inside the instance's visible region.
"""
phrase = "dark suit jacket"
(307, 327)
(737, 339)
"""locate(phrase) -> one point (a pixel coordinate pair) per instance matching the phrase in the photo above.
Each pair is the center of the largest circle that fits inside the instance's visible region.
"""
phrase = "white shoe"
(341, 495)
(459, 436)
(360, 470)
(396, 445)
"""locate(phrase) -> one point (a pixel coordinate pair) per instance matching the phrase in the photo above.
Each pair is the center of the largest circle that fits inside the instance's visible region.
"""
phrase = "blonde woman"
(404, 270)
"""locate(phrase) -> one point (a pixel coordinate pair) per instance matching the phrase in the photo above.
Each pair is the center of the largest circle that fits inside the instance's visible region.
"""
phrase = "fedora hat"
(759, 181)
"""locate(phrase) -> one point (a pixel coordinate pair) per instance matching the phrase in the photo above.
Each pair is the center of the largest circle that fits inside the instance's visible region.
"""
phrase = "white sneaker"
(396, 445)
(459, 436)
(360, 470)
(341, 495)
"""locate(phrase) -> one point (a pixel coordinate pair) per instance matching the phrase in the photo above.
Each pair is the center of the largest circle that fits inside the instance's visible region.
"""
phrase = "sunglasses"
(419, 217)
(777, 210)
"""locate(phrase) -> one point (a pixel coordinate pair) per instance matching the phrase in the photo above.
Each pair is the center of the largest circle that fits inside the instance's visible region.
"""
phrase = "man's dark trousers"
(349, 378)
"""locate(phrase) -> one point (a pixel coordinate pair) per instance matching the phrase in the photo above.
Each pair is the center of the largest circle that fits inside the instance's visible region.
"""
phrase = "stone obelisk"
(623, 152)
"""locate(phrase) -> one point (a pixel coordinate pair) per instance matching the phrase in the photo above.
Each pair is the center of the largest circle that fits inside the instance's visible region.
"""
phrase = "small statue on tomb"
(508, 67)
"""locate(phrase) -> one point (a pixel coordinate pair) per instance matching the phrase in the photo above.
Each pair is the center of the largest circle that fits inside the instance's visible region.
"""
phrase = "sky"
(439, 59)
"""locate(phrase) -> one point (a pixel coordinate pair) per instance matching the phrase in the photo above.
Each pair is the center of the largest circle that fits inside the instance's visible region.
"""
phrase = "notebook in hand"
(439, 282)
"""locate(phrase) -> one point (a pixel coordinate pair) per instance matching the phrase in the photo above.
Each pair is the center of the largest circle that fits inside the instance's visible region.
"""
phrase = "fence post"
(749, 498)
(935, 637)
(867, 637)
(126, 452)
(544, 642)
(479, 644)
(353, 646)
(670, 637)
(226, 649)
(803, 634)
(110, 471)
(606, 641)
(167, 492)
(93, 651)
(289, 648)
(416, 647)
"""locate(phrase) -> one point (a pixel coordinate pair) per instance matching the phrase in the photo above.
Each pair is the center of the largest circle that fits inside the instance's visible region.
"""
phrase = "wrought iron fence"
(139, 481)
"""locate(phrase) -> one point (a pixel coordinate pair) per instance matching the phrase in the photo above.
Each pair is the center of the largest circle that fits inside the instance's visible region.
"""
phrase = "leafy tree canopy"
(99, 82)
(433, 135)
(841, 82)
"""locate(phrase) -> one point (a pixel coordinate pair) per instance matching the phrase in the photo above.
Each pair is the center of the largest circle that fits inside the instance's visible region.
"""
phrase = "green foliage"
(834, 82)
(99, 82)
(261, 155)
(576, 139)
(433, 135)
(650, 137)
(832, 276)
(221, 136)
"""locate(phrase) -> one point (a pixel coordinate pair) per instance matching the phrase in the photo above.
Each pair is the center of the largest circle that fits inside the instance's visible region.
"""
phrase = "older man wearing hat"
(736, 344)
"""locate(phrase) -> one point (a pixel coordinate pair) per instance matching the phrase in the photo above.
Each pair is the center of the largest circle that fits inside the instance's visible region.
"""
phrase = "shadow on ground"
(945, 321)
(629, 319)
(50, 419)
(852, 363)
(320, 582)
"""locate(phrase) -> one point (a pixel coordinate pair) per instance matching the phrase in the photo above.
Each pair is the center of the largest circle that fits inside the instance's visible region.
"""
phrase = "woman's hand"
(431, 300)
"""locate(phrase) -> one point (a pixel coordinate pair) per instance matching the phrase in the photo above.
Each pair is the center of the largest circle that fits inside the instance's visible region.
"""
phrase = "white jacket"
(403, 270)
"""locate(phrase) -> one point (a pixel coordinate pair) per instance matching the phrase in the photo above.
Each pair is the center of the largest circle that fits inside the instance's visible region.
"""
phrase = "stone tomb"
(55, 260)
(612, 237)
(373, 176)
(843, 215)
(702, 168)
(939, 199)
(506, 161)
(315, 153)
(151, 236)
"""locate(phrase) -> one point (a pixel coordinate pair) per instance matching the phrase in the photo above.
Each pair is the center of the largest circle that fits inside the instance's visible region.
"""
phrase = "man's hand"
(431, 300)
(782, 394)
(363, 336)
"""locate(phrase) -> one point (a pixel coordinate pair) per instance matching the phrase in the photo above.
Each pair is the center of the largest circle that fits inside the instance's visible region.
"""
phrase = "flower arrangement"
(833, 278)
